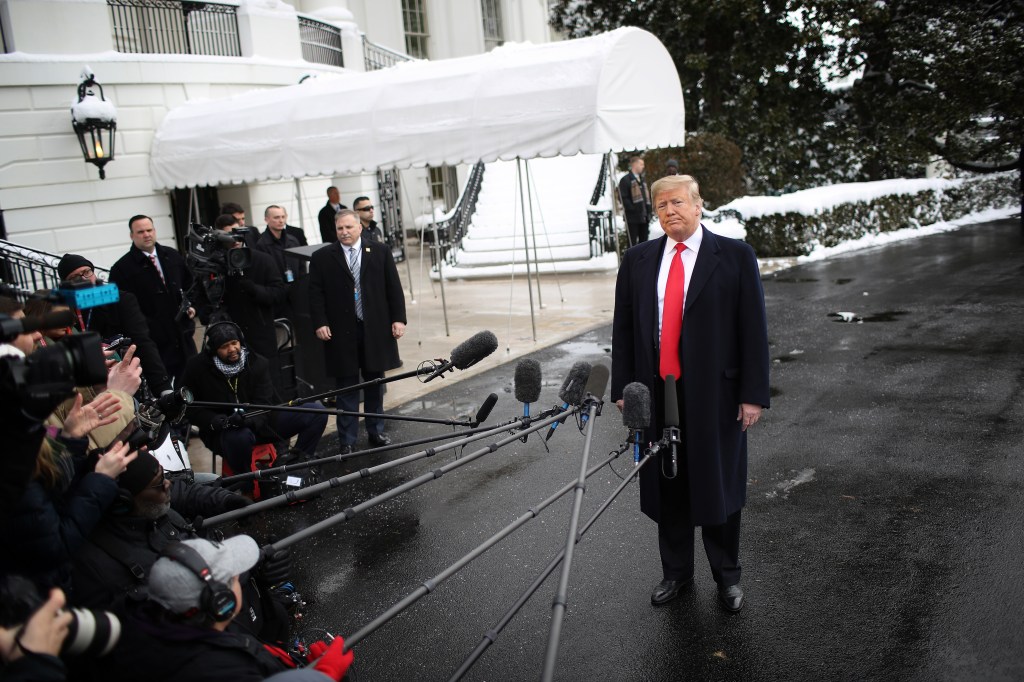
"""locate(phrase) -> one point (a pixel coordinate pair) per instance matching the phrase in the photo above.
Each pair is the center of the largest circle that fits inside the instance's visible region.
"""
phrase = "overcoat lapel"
(648, 265)
(338, 251)
(707, 261)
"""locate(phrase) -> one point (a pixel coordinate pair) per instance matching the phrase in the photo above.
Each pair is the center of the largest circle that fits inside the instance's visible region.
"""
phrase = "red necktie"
(672, 317)
(152, 257)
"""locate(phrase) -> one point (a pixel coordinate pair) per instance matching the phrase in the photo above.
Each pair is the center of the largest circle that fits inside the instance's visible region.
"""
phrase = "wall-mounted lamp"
(94, 120)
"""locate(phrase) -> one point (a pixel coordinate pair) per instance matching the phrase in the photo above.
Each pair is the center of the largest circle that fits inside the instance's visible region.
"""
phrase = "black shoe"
(345, 449)
(667, 590)
(378, 440)
(731, 598)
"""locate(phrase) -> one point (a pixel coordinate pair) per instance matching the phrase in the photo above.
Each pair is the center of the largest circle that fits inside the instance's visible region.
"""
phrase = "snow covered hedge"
(793, 224)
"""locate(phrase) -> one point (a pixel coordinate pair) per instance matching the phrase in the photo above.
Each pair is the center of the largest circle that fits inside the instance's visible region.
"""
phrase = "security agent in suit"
(364, 209)
(359, 319)
(636, 201)
(723, 362)
(159, 279)
(328, 214)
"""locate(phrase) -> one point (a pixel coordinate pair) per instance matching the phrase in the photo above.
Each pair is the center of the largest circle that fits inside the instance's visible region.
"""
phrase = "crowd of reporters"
(91, 519)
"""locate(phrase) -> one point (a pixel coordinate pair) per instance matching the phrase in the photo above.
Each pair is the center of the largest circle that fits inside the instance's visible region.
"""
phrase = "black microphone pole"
(491, 635)
(671, 433)
(481, 415)
(428, 585)
(351, 512)
(255, 410)
(592, 403)
(423, 370)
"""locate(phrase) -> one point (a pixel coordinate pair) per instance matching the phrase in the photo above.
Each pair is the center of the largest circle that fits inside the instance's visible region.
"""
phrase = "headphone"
(217, 600)
(206, 335)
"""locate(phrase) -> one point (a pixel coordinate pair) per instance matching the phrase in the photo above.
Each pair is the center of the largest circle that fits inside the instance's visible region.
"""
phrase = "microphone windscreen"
(485, 409)
(527, 381)
(636, 406)
(474, 349)
(572, 389)
(671, 402)
(598, 381)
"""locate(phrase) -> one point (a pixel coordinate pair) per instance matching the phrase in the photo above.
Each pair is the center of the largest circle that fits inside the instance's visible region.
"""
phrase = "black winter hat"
(139, 473)
(71, 262)
(220, 333)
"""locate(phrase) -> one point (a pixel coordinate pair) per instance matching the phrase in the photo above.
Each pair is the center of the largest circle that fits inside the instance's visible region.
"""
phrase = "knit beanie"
(139, 473)
(71, 262)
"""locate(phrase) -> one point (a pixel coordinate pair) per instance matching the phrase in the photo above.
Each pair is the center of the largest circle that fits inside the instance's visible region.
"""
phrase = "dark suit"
(638, 213)
(298, 233)
(328, 233)
(160, 300)
(724, 356)
(366, 347)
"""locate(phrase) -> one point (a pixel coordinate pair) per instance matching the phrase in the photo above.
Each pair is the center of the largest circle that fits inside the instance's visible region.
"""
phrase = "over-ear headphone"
(217, 599)
(206, 335)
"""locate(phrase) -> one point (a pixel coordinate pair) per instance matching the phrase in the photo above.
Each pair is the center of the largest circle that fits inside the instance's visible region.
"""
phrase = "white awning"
(613, 92)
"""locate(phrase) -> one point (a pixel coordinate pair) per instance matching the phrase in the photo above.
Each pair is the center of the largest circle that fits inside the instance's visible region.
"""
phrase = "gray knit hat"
(178, 589)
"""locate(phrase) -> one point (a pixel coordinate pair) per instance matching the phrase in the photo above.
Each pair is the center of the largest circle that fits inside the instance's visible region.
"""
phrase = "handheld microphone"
(468, 353)
(571, 392)
(594, 391)
(671, 427)
(485, 410)
(636, 413)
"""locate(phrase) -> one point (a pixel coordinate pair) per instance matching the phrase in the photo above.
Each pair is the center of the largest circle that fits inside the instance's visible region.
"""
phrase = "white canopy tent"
(611, 92)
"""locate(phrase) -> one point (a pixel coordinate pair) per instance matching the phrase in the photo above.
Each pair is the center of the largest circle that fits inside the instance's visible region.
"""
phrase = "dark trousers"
(236, 444)
(638, 232)
(373, 399)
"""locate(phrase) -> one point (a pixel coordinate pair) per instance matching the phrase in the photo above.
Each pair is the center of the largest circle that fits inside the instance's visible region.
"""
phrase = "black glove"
(275, 567)
(233, 501)
(247, 286)
(236, 420)
(219, 423)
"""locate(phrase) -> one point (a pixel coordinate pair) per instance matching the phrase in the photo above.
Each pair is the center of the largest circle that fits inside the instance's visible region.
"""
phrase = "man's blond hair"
(671, 182)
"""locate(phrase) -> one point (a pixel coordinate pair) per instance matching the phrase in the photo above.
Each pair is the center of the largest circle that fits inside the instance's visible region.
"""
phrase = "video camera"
(213, 252)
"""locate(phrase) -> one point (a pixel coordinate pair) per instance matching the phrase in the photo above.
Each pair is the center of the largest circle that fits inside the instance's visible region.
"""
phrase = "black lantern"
(94, 120)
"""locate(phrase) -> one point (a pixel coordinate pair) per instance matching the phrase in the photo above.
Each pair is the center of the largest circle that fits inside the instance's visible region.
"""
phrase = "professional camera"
(213, 252)
(91, 632)
(48, 376)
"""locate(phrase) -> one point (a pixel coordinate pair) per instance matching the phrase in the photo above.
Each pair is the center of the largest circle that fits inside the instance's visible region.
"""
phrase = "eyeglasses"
(366, 208)
(81, 276)
(159, 484)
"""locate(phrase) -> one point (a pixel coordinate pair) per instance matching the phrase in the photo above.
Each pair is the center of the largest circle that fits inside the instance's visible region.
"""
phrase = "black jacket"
(298, 233)
(373, 232)
(328, 232)
(125, 317)
(636, 211)
(209, 384)
(160, 300)
(275, 248)
(332, 303)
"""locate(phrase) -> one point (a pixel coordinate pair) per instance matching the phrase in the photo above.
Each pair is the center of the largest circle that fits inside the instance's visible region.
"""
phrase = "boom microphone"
(594, 392)
(527, 383)
(468, 353)
(571, 392)
(485, 410)
(671, 426)
(636, 413)
(36, 323)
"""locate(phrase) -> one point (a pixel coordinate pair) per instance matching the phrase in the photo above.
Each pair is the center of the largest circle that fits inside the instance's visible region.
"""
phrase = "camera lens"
(92, 633)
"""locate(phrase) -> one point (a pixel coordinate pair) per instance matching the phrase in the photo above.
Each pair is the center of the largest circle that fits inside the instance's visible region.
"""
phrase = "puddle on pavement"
(843, 280)
(773, 392)
(784, 358)
(885, 316)
(794, 280)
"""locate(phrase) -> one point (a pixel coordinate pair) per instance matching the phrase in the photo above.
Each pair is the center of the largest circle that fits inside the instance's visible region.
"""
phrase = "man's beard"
(152, 510)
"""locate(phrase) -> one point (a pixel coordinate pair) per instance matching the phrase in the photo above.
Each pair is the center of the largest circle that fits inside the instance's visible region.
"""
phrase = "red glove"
(331, 660)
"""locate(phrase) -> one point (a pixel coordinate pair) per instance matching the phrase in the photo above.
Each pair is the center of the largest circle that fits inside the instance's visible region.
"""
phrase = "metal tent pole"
(298, 204)
(526, 245)
(440, 256)
(615, 206)
(533, 233)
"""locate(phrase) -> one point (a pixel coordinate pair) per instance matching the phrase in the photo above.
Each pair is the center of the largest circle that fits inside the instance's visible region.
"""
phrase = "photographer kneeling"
(228, 372)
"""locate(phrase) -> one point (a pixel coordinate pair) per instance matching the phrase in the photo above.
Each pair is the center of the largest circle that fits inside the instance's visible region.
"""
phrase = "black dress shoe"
(667, 590)
(378, 440)
(345, 449)
(731, 598)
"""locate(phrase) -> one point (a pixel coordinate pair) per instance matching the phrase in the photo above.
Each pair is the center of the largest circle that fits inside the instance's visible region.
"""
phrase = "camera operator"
(121, 318)
(185, 624)
(250, 299)
(229, 372)
(30, 652)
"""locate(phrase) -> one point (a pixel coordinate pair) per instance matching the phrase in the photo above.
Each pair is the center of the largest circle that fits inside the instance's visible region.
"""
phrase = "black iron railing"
(28, 270)
(175, 27)
(451, 230)
(321, 43)
(377, 57)
(602, 229)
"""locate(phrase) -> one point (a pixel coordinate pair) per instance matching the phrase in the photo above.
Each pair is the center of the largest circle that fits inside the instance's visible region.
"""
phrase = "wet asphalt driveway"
(882, 538)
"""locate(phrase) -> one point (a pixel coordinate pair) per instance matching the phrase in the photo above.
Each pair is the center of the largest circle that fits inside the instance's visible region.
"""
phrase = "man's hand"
(44, 632)
(618, 404)
(397, 330)
(115, 461)
(323, 333)
(127, 374)
(749, 414)
(82, 419)
(191, 313)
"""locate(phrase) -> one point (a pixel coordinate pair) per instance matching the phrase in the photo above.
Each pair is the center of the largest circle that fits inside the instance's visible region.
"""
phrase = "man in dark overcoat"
(721, 357)
(636, 201)
(327, 215)
(158, 277)
(360, 318)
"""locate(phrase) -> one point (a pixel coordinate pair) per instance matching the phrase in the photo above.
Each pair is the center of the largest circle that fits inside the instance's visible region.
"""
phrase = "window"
(493, 33)
(414, 16)
(444, 186)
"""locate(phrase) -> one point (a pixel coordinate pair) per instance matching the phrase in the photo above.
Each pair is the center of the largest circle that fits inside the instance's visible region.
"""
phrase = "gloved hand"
(219, 423)
(234, 501)
(247, 286)
(275, 567)
(330, 659)
(236, 420)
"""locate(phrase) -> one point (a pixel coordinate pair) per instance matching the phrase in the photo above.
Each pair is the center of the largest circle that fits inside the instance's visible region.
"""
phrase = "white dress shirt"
(689, 257)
